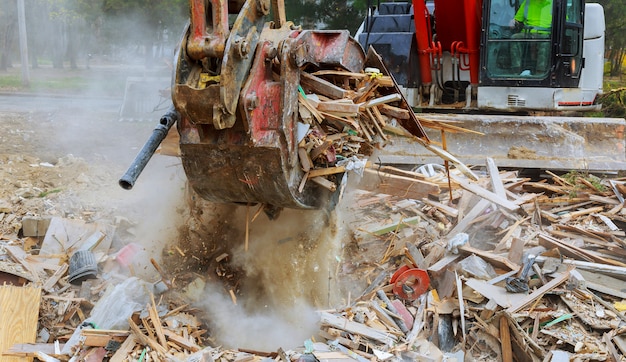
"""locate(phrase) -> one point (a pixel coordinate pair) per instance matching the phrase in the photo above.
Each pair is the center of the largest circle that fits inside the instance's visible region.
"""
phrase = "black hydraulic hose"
(127, 181)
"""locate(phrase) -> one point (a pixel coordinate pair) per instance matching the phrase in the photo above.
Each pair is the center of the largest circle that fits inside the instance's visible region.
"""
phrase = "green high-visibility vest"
(535, 13)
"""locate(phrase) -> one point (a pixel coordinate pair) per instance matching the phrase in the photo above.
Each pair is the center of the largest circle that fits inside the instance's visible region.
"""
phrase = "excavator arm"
(237, 95)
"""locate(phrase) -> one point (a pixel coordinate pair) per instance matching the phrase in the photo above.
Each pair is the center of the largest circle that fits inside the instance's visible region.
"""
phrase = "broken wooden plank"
(321, 86)
(467, 220)
(29, 350)
(505, 340)
(331, 186)
(181, 341)
(574, 251)
(101, 337)
(494, 176)
(358, 328)
(376, 122)
(576, 214)
(156, 322)
(145, 340)
(394, 112)
(331, 170)
(539, 292)
(389, 184)
(485, 194)
(20, 256)
(381, 100)
(448, 210)
(50, 283)
(495, 260)
(603, 283)
(339, 107)
(443, 263)
(125, 349)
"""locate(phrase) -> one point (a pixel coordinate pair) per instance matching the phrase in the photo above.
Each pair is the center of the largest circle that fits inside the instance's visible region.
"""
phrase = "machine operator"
(533, 20)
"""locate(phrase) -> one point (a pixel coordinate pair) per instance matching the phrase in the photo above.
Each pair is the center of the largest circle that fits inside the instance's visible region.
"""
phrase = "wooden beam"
(357, 328)
(400, 186)
(339, 107)
(181, 341)
(485, 194)
(495, 260)
(321, 86)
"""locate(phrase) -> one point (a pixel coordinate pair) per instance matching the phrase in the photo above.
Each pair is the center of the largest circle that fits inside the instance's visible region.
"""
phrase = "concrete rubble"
(500, 268)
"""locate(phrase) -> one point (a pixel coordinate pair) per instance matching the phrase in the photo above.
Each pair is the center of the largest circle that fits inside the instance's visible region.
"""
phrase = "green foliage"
(615, 13)
(613, 102)
(9, 82)
(572, 178)
(46, 193)
(327, 14)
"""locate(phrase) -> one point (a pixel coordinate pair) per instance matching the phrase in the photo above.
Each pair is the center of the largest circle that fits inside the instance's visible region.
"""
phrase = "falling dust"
(289, 271)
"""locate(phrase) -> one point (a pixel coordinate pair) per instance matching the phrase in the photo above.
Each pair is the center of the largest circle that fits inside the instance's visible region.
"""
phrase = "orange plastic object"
(411, 283)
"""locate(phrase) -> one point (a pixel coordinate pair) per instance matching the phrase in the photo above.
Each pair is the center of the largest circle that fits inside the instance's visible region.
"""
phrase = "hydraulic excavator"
(235, 96)
(235, 91)
(484, 66)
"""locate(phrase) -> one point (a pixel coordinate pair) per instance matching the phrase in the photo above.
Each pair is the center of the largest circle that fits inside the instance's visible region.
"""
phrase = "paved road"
(24, 102)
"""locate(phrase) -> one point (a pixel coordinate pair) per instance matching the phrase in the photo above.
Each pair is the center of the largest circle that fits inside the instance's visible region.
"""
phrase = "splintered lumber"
(505, 339)
(394, 226)
(339, 107)
(181, 341)
(331, 186)
(19, 313)
(539, 292)
(448, 210)
(145, 340)
(486, 194)
(30, 349)
(467, 220)
(321, 86)
(381, 100)
(574, 251)
(357, 328)
(49, 284)
(20, 256)
(496, 260)
(330, 170)
(340, 73)
(156, 322)
(395, 112)
(405, 187)
(126, 348)
(615, 271)
(494, 175)
(101, 337)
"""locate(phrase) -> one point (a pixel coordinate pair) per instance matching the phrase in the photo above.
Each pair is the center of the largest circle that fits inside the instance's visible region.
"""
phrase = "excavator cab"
(539, 45)
(523, 87)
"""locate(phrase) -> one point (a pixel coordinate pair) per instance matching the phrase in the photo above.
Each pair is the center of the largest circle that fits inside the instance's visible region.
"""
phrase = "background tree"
(327, 14)
(615, 13)
(149, 26)
(8, 31)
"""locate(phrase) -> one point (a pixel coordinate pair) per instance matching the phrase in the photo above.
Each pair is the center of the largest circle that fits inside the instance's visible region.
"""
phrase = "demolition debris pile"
(491, 268)
(433, 264)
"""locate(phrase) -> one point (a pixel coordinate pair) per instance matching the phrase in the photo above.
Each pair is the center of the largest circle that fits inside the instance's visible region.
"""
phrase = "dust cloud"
(290, 272)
